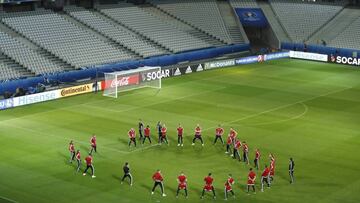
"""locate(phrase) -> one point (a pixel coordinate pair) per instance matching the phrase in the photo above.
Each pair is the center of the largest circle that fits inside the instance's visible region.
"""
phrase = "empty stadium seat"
(154, 28)
(65, 40)
(202, 14)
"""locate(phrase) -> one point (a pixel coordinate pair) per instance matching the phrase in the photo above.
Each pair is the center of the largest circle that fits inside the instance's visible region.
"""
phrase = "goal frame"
(136, 79)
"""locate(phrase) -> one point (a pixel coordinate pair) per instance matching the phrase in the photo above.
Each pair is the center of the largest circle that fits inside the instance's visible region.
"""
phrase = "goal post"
(121, 81)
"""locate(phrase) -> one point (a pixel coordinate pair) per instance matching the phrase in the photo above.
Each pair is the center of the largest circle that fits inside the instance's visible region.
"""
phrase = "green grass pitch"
(306, 110)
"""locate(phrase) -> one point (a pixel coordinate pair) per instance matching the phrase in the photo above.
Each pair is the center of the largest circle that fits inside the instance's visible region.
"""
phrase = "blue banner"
(251, 17)
(6, 103)
(262, 58)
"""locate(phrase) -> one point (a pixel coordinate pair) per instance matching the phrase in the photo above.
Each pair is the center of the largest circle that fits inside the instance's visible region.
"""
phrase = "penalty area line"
(306, 109)
(8, 199)
(281, 107)
(143, 148)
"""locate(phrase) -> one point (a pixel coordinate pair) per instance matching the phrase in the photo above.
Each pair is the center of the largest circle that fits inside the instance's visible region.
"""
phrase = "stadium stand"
(153, 28)
(335, 27)
(197, 13)
(274, 22)
(116, 32)
(232, 23)
(244, 4)
(64, 39)
(306, 18)
(26, 57)
(350, 36)
(184, 26)
(7, 71)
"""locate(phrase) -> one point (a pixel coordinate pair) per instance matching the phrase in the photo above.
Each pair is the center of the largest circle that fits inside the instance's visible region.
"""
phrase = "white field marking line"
(144, 148)
(280, 107)
(229, 122)
(62, 137)
(299, 80)
(156, 103)
(7, 199)
(99, 101)
(306, 108)
(84, 143)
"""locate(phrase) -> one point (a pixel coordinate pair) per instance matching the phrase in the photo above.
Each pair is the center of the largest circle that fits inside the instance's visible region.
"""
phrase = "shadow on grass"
(126, 142)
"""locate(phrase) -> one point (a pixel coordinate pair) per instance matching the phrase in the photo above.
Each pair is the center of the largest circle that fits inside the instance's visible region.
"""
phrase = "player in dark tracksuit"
(159, 127)
(141, 130)
(291, 170)
(127, 174)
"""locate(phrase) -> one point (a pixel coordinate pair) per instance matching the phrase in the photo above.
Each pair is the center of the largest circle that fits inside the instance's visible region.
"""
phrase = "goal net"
(131, 79)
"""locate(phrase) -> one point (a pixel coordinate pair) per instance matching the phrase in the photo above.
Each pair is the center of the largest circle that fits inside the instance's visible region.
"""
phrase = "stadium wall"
(92, 72)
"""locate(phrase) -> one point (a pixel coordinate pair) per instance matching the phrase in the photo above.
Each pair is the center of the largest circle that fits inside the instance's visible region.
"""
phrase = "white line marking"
(156, 103)
(306, 108)
(7, 199)
(228, 122)
(61, 137)
(99, 101)
(144, 148)
(280, 107)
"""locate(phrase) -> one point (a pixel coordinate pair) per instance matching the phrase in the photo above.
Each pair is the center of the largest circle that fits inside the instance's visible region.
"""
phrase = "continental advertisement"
(75, 90)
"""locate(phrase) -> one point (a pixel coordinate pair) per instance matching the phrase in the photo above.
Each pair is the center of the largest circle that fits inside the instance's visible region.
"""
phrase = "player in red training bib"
(147, 134)
(257, 159)
(208, 186)
(72, 151)
(272, 167)
(265, 178)
(78, 160)
(245, 148)
(237, 146)
(198, 135)
(93, 143)
(251, 181)
(89, 164)
(228, 186)
(228, 145)
(182, 184)
(163, 135)
(233, 134)
(132, 136)
(180, 132)
(219, 131)
(158, 181)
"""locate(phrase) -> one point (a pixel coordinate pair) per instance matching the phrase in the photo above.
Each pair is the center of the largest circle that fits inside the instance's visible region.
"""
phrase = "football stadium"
(180, 101)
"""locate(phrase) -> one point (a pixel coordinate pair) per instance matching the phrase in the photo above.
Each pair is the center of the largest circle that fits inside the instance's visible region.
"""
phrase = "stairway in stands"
(274, 22)
(99, 35)
(35, 47)
(194, 31)
(234, 28)
(9, 63)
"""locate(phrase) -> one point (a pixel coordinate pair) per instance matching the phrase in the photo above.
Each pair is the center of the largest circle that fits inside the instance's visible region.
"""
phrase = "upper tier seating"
(117, 32)
(65, 40)
(203, 14)
(350, 37)
(300, 19)
(154, 28)
(25, 56)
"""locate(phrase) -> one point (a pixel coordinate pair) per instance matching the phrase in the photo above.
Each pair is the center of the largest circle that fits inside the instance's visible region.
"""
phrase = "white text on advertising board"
(36, 98)
(308, 56)
(157, 75)
(348, 60)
